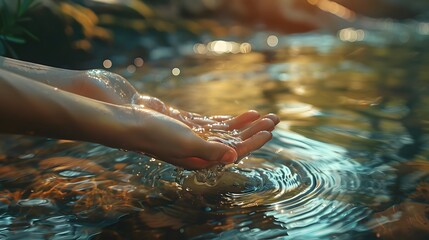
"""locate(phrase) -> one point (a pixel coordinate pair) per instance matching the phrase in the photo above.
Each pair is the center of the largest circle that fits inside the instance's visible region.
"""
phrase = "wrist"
(103, 123)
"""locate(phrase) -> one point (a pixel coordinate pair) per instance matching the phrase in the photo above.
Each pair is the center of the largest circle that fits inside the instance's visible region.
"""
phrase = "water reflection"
(351, 34)
(222, 47)
(348, 160)
(334, 8)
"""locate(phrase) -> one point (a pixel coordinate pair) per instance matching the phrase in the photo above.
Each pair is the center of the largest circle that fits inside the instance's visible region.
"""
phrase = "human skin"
(67, 104)
(112, 88)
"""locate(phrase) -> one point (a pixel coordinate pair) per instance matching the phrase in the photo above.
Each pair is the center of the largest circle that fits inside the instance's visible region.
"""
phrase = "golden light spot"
(334, 8)
(272, 41)
(107, 63)
(245, 48)
(351, 34)
(200, 48)
(131, 68)
(82, 44)
(219, 46)
(138, 62)
(175, 71)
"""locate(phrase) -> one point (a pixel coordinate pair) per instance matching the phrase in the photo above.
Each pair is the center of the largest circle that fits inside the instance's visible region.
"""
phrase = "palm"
(250, 131)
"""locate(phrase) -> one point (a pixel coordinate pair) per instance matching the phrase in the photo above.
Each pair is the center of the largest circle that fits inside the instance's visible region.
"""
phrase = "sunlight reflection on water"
(350, 149)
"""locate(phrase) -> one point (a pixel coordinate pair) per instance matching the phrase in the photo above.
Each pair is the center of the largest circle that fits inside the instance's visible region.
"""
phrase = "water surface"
(347, 161)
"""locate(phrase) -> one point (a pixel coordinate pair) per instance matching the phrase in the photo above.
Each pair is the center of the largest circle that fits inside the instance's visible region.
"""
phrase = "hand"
(138, 123)
(194, 120)
(170, 140)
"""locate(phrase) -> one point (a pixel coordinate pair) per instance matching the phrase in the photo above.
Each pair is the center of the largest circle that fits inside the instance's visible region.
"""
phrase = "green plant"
(11, 20)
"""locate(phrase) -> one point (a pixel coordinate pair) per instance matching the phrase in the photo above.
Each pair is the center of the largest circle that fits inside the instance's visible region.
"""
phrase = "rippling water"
(347, 161)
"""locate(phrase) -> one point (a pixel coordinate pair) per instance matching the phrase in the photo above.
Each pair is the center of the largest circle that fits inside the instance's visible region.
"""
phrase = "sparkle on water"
(347, 161)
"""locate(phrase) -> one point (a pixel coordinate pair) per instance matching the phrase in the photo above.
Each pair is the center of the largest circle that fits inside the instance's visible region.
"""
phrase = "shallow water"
(347, 161)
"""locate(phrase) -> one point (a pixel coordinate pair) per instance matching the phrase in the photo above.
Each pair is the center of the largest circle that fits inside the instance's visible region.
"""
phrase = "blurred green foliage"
(11, 20)
(76, 32)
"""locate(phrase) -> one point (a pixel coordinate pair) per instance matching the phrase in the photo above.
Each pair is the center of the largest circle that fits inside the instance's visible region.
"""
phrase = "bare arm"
(112, 88)
(96, 84)
(31, 107)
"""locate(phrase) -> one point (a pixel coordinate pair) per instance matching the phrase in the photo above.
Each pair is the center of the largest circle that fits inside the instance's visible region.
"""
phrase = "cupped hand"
(171, 140)
(117, 116)
(194, 120)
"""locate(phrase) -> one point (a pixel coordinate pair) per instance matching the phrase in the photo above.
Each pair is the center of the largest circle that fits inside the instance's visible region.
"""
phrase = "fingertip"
(273, 117)
(253, 143)
(253, 114)
(214, 151)
(268, 124)
(253, 111)
(229, 157)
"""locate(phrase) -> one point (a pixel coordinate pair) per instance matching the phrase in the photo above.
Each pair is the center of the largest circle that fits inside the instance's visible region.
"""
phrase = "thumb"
(216, 151)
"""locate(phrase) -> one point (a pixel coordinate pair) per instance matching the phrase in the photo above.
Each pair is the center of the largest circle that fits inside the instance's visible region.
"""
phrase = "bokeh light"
(138, 62)
(131, 68)
(272, 40)
(218, 47)
(175, 71)
(423, 28)
(107, 63)
(351, 35)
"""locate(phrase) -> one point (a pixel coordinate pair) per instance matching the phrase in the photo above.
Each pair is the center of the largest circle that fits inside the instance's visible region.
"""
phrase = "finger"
(242, 120)
(264, 124)
(253, 143)
(273, 117)
(215, 152)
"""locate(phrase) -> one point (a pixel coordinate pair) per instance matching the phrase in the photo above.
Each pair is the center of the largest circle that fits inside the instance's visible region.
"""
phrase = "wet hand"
(194, 120)
(171, 140)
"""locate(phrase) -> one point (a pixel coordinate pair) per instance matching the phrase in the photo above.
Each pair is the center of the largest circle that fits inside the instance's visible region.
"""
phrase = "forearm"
(29, 107)
(33, 107)
(96, 84)
(60, 78)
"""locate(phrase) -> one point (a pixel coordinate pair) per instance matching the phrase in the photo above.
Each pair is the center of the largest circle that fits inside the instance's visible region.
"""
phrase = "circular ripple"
(304, 190)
